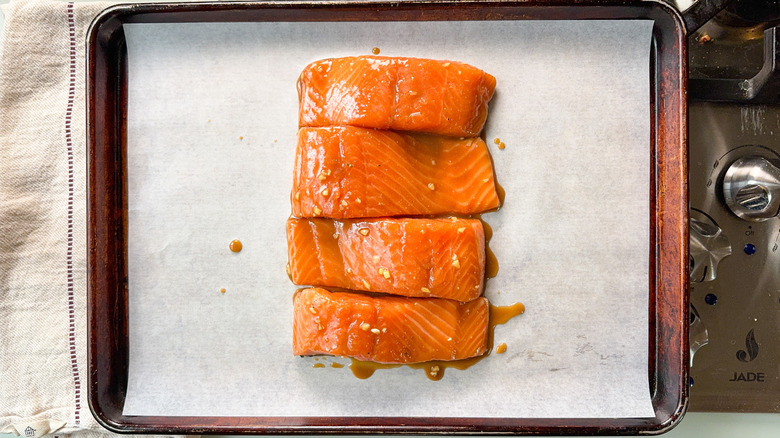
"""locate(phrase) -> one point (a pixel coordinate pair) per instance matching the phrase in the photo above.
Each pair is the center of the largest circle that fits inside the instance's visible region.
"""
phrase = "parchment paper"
(212, 119)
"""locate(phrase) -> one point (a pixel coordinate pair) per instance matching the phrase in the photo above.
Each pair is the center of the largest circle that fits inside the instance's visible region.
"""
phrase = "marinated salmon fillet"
(348, 172)
(403, 94)
(442, 258)
(388, 329)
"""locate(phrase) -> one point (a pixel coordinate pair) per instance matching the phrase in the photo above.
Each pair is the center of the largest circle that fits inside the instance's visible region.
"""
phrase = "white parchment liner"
(212, 119)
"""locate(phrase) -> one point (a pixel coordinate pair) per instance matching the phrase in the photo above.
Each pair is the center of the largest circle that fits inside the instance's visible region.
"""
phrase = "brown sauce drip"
(434, 370)
(222, 290)
(336, 365)
(491, 262)
(375, 50)
(501, 193)
(319, 365)
(363, 370)
(502, 314)
(236, 245)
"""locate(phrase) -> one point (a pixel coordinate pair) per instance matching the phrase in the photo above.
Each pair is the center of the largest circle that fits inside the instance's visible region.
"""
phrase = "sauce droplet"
(501, 349)
(336, 365)
(319, 365)
(375, 50)
(501, 145)
(222, 290)
(236, 245)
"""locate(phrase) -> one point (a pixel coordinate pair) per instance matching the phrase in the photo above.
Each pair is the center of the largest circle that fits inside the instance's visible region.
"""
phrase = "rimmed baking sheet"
(210, 134)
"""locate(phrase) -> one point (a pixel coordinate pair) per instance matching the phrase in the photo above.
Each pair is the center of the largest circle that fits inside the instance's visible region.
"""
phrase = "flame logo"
(751, 346)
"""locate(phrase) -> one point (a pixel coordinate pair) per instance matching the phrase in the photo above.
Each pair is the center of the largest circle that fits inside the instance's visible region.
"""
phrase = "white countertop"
(710, 425)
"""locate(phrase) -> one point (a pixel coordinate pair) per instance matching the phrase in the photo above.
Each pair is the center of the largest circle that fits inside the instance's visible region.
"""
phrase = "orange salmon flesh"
(442, 258)
(348, 172)
(388, 329)
(403, 94)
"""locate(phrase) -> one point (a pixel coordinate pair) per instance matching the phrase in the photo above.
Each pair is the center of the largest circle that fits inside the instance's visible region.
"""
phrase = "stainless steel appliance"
(734, 182)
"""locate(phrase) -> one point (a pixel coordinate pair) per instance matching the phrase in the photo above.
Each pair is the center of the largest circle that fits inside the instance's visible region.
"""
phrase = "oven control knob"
(751, 187)
(697, 333)
(708, 246)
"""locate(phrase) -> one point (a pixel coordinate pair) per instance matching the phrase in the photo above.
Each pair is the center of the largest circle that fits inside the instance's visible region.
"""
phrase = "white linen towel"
(43, 314)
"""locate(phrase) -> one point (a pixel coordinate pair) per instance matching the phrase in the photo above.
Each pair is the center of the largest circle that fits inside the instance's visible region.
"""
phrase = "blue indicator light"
(750, 249)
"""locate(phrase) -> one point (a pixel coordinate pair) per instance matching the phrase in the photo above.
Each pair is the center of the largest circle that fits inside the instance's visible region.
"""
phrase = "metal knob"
(751, 187)
(708, 246)
(697, 333)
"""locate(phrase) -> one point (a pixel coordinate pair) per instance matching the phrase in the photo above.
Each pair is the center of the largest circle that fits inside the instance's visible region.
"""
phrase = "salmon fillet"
(403, 94)
(348, 172)
(388, 329)
(442, 258)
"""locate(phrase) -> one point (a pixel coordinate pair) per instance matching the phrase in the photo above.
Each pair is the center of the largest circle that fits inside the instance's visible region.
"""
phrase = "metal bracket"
(764, 87)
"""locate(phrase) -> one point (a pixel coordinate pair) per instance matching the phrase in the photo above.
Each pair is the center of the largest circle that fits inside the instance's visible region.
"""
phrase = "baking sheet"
(212, 118)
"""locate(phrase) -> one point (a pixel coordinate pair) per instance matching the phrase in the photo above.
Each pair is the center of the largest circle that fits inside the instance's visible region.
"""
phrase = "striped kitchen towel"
(43, 315)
